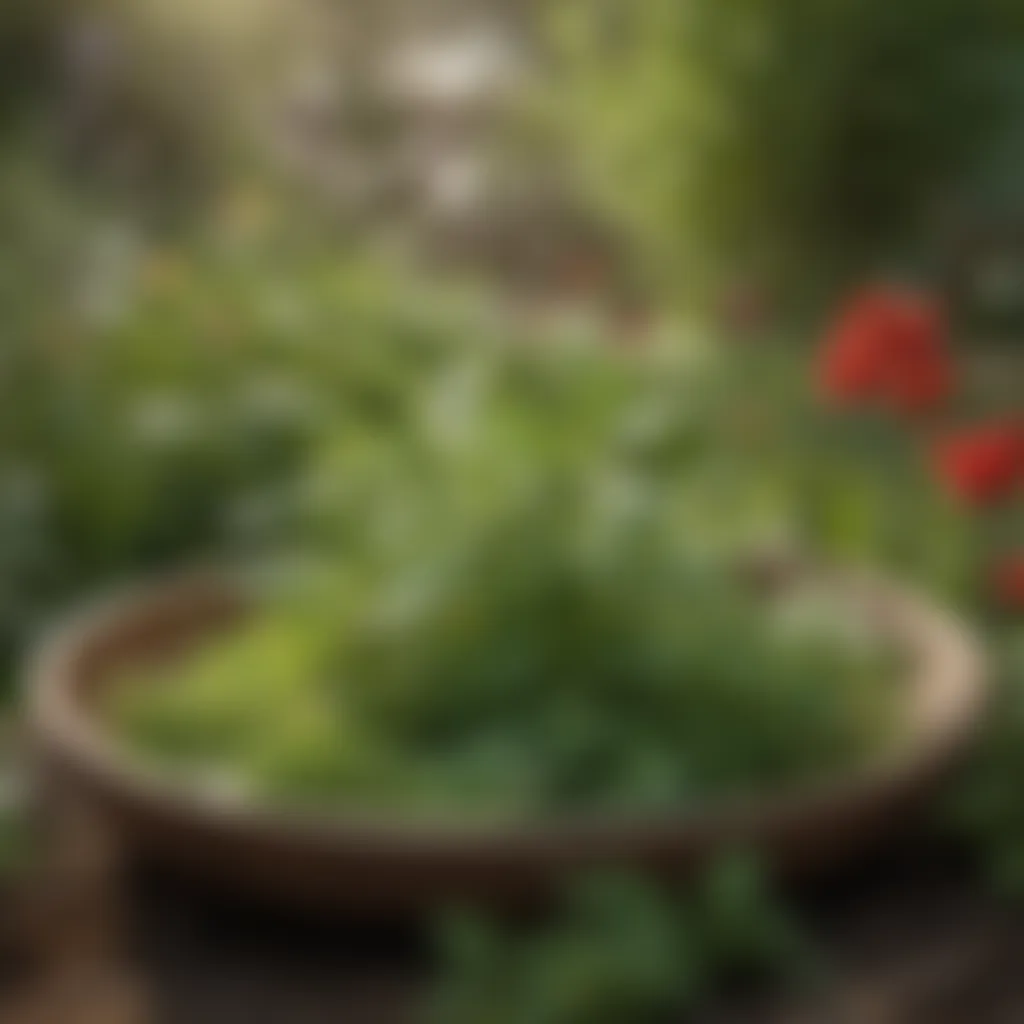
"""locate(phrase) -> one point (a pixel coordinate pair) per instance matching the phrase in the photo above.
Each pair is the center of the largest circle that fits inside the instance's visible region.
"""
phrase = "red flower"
(985, 465)
(851, 368)
(920, 387)
(1009, 582)
(890, 347)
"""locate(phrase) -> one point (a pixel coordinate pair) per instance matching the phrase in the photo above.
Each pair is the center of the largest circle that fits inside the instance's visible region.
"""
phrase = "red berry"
(890, 347)
(985, 465)
(921, 387)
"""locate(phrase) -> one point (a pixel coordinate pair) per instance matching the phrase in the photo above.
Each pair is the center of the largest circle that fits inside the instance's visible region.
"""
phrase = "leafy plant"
(779, 143)
(888, 347)
(621, 952)
(531, 598)
(16, 844)
(155, 399)
(986, 808)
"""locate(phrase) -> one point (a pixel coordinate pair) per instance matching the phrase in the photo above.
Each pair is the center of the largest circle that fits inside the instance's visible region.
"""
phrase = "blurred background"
(214, 213)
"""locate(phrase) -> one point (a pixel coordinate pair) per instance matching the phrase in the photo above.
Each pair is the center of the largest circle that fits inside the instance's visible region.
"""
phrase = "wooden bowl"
(390, 868)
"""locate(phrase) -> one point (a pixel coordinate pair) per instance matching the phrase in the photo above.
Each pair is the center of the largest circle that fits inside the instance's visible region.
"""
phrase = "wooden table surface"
(909, 940)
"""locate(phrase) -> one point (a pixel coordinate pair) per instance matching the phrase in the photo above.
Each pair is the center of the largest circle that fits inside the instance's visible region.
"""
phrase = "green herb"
(987, 806)
(621, 952)
(530, 599)
(782, 142)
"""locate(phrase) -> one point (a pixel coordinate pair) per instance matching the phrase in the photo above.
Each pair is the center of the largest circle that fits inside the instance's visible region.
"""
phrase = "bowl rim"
(948, 682)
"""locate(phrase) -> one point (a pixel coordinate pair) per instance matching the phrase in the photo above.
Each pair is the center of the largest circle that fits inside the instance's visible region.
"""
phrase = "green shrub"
(622, 952)
(530, 599)
(154, 402)
(29, 32)
(986, 809)
(785, 142)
